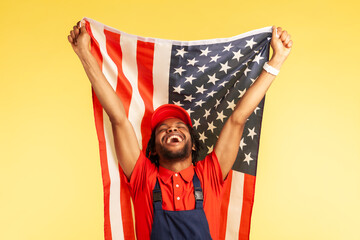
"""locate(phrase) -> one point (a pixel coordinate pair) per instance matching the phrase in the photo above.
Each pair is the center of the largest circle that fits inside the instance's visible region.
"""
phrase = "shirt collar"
(186, 174)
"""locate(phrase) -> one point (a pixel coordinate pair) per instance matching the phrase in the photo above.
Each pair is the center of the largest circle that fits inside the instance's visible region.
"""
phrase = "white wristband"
(270, 69)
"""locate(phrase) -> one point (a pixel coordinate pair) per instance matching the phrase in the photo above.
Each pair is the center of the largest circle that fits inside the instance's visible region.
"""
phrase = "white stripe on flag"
(162, 57)
(117, 231)
(110, 72)
(129, 65)
(235, 206)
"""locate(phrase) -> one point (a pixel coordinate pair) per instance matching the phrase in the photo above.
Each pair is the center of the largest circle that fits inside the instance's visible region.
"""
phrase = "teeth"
(175, 137)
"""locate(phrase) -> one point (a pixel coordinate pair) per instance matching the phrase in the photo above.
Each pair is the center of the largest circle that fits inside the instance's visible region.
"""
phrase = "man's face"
(172, 140)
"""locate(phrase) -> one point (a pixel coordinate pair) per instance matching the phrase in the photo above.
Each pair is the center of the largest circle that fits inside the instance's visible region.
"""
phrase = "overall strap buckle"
(157, 198)
(157, 192)
(198, 193)
(157, 195)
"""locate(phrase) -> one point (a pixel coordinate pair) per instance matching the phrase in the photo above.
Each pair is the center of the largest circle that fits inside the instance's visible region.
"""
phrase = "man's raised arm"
(126, 144)
(228, 143)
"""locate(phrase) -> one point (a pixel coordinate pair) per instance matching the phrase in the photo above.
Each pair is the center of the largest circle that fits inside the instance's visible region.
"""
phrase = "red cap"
(167, 111)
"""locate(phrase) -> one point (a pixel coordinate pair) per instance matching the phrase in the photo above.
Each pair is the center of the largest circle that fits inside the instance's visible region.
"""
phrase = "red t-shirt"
(177, 191)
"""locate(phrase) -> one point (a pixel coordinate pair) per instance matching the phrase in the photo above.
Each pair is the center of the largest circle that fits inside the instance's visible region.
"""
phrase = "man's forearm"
(103, 90)
(255, 93)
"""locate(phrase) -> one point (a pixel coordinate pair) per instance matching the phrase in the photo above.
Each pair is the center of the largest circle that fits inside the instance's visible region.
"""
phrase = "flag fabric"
(207, 78)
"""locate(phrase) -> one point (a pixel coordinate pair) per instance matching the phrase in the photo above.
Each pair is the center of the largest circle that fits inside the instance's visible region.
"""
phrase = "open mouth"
(173, 138)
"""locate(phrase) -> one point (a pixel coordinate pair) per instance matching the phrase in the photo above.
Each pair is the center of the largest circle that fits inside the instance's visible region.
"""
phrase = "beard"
(179, 154)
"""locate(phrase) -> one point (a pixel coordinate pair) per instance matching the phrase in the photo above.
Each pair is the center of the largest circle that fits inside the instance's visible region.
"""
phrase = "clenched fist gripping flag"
(207, 78)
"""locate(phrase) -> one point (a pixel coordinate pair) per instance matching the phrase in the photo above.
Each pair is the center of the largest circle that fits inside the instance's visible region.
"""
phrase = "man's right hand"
(79, 39)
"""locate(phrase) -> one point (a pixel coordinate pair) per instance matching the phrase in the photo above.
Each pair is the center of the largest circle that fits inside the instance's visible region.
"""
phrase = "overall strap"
(198, 193)
(157, 198)
(199, 197)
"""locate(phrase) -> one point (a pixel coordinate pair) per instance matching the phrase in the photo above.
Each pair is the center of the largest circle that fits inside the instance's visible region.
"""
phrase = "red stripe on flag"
(98, 113)
(126, 209)
(123, 87)
(145, 60)
(225, 205)
(124, 91)
(248, 202)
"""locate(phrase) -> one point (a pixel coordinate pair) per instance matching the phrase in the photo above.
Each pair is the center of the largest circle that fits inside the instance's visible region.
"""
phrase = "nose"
(171, 129)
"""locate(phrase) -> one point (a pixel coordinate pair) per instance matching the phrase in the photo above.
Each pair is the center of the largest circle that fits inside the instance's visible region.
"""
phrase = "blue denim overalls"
(188, 224)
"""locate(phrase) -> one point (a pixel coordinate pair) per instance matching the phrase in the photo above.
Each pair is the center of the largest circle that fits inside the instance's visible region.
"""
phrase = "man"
(174, 197)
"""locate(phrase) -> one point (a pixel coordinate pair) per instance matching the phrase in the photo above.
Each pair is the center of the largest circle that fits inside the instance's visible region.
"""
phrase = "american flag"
(207, 78)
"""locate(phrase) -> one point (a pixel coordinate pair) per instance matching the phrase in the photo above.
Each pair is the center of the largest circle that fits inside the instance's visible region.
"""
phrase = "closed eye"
(161, 129)
(181, 125)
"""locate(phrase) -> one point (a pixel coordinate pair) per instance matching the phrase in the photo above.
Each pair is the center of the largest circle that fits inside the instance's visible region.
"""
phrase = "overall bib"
(188, 224)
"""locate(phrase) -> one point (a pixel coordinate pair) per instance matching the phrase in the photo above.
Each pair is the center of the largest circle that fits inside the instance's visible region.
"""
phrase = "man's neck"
(175, 166)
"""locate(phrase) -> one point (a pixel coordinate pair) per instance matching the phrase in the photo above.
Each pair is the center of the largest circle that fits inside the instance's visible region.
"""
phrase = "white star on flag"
(242, 144)
(231, 105)
(205, 52)
(211, 127)
(179, 70)
(211, 93)
(212, 79)
(252, 133)
(189, 111)
(189, 98)
(220, 116)
(210, 149)
(258, 58)
(248, 158)
(207, 113)
(199, 103)
(222, 84)
(202, 137)
(250, 43)
(196, 123)
(190, 79)
(242, 92)
(178, 103)
(202, 69)
(215, 58)
(201, 89)
(180, 52)
(246, 71)
(192, 62)
(237, 55)
(227, 48)
(217, 103)
(224, 67)
(178, 89)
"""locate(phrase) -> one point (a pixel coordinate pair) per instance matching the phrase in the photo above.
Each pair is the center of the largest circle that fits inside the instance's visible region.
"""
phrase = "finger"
(287, 40)
(274, 33)
(279, 31)
(83, 29)
(76, 31)
(283, 36)
(82, 23)
(70, 39)
(72, 34)
(289, 45)
(78, 24)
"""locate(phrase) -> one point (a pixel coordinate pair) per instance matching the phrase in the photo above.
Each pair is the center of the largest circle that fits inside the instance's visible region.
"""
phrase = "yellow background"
(308, 184)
